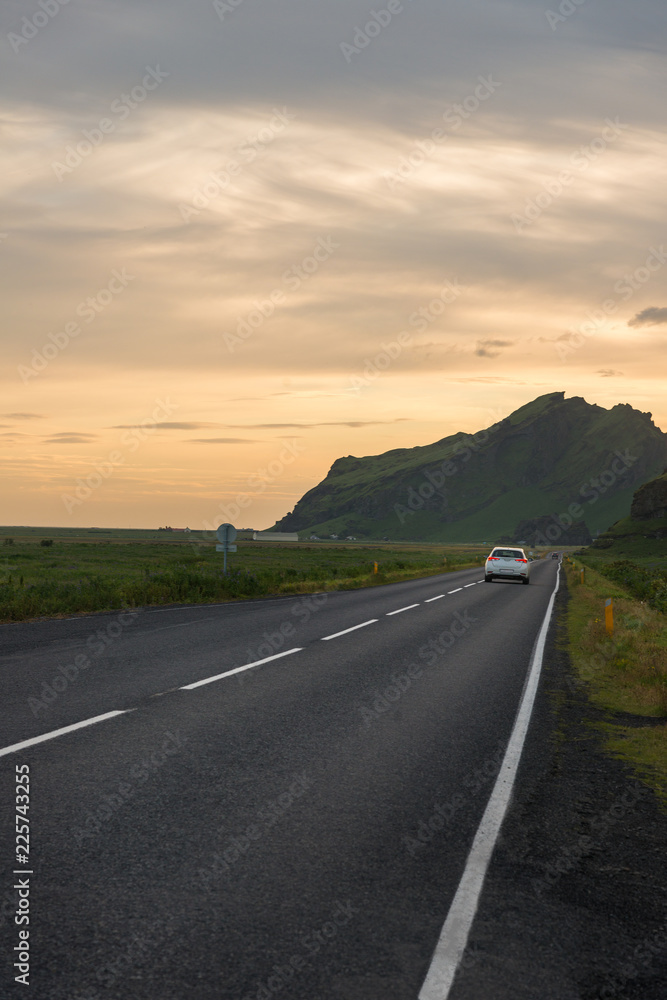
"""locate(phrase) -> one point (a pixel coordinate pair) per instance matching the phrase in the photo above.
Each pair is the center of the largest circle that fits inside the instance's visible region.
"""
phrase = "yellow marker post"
(582, 575)
(375, 567)
(609, 615)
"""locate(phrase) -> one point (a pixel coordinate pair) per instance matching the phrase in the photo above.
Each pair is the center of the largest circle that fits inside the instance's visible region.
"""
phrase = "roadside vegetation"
(75, 576)
(626, 672)
(648, 585)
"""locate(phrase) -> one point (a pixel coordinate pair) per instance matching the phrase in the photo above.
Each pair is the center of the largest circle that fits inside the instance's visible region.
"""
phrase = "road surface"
(296, 829)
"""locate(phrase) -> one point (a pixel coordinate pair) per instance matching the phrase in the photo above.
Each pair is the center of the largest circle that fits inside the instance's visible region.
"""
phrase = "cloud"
(493, 380)
(608, 373)
(70, 437)
(484, 348)
(649, 317)
(169, 426)
(328, 423)
(223, 441)
(22, 416)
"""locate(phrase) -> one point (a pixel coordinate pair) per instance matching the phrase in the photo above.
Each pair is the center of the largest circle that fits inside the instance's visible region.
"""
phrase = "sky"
(239, 240)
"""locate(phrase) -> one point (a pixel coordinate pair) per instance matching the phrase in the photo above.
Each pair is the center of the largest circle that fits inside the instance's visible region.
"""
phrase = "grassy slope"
(635, 540)
(626, 674)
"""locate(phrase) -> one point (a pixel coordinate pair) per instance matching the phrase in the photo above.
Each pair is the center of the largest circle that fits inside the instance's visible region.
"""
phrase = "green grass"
(647, 585)
(646, 750)
(74, 576)
(625, 672)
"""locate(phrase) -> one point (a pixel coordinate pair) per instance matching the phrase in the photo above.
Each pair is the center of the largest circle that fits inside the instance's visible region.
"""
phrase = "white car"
(509, 562)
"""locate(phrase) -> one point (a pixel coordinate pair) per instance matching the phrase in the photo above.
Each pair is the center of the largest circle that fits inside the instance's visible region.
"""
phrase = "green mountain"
(554, 456)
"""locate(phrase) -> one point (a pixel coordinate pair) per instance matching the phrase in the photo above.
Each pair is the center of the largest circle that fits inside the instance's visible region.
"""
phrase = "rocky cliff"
(650, 500)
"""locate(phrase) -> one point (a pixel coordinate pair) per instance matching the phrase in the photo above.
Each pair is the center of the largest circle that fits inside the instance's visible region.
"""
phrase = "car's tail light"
(521, 560)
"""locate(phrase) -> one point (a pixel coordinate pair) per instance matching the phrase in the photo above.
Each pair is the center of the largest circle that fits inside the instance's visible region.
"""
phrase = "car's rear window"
(508, 553)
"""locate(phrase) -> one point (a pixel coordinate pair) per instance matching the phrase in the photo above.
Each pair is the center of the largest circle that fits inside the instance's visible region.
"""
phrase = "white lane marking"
(434, 599)
(408, 608)
(454, 935)
(61, 732)
(238, 670)
(335, 635)
(455, 591)
(470, 585)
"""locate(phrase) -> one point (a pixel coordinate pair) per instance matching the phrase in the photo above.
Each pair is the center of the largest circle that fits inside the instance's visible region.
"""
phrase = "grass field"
(88, 570)
(625, 673)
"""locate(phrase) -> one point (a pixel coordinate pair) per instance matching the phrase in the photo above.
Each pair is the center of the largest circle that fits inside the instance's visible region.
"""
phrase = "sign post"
(226, 534)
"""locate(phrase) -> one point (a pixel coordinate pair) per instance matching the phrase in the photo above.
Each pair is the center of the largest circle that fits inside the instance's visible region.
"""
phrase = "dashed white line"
(454, 935)
(335, 635)
(470, 585)
(61, 732)
(238, 670)
(207, 680)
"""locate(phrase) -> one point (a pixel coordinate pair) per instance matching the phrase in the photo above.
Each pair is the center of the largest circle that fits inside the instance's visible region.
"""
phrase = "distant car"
(507, 562)
(554, 555)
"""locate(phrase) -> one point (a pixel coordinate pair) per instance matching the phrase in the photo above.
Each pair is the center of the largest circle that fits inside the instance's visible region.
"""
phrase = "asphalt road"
(294, 830)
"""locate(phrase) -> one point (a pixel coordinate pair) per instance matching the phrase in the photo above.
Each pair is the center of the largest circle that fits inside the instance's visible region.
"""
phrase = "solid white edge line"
(238, 670)
(325, 638)
(434, 599)
(454, 935)
(455, 591)
(408, 608)
(61, 732)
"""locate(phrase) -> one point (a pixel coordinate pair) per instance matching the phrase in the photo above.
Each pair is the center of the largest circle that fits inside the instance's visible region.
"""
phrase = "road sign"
(226, 533)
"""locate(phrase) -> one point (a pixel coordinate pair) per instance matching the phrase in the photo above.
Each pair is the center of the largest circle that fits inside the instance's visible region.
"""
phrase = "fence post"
(609, 615)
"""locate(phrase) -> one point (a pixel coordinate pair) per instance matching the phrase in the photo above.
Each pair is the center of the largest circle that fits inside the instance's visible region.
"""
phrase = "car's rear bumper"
(507, 576)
